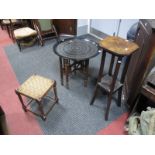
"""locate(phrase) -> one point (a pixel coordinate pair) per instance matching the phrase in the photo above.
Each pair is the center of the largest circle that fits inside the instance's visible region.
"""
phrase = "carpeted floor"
(18, 122)
(73, 114)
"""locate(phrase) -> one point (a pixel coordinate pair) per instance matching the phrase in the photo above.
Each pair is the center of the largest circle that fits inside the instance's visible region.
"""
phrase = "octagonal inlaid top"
(118, 46)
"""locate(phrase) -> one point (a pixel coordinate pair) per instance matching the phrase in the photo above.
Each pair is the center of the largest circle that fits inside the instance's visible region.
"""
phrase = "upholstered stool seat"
(36, 87)
(25, 36)
(24, 32)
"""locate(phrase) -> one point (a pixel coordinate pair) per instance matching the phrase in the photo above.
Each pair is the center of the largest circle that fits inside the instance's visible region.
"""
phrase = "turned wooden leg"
(74, 69)
(66, 64)
(108, 106)
(43, 116)
(55, 92)
(8, 31)
(61, 71)
(21, 100)
(114, 77)
(86, 72)
(94, 95)
(19, 46)
(119, 97)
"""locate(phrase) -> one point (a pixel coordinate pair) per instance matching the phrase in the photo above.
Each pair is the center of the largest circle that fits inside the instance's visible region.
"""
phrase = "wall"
(107, 26)
(110, 26)
(82, 22)
(82, 26)
(125, 26)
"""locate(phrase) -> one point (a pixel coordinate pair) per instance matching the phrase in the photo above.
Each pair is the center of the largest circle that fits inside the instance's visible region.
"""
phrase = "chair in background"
(45, 29)
(1, 24)
(6, 24)
(24, 35)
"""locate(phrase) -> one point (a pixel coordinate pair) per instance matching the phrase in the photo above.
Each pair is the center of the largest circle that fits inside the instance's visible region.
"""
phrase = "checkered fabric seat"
(36, 87)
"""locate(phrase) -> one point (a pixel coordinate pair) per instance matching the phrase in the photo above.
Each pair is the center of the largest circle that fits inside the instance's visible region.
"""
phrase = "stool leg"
(99, 76)
(43, 116)
(55, 92)
(94, 95)
(21, 100)
(111, 64)
(119, 97)
(108, 106)
(119, 61)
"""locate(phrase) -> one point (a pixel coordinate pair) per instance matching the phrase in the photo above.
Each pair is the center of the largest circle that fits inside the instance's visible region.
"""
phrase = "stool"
(36, 88)
(118, 48)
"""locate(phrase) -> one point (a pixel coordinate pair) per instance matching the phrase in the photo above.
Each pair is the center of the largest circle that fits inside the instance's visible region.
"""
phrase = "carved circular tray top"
(77, 49)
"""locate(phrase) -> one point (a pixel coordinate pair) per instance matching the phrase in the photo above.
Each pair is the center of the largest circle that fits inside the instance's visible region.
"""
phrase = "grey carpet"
(73, 114)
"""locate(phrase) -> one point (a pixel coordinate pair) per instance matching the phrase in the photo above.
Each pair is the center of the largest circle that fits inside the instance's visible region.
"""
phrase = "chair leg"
(11, 34)
(2, 27)
(7, 28)
(56, 34)
(94, 95)
(108, 106)
(40, 39)
(41, 42)
(19, 46)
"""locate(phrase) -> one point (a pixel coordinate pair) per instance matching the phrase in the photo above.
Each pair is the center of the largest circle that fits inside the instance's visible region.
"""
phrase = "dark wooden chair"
(118, 48)
(23, 35)
(1, 24)
(8, 23)
(45, 29)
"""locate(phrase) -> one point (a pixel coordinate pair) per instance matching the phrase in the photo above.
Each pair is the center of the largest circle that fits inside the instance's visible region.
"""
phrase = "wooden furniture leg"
(66, 65)
(61, 71)
(55, 92)
(119, 97)
(108, 106)
(99, 77)
(86, 72)
(94, 95)
(119, 61)
(21, 100)
(43, 116)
